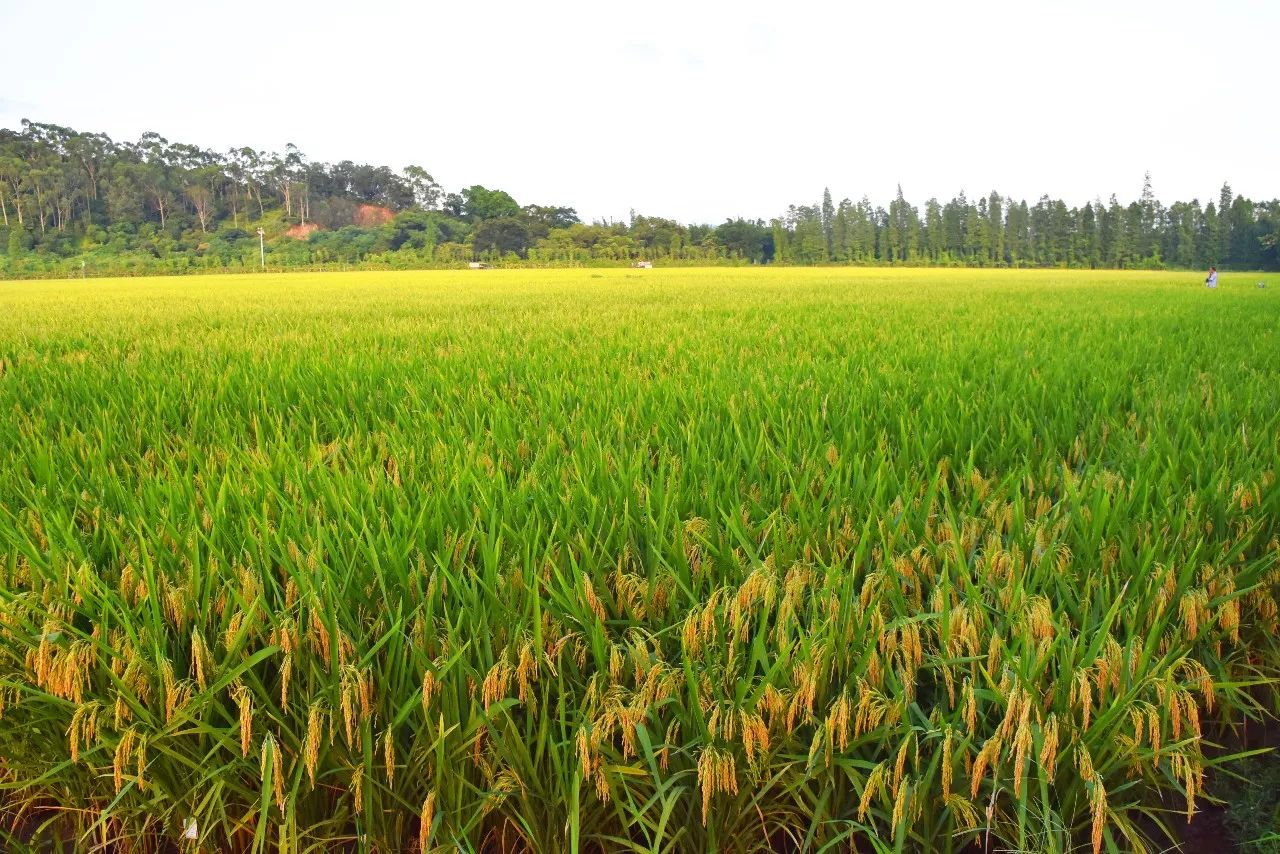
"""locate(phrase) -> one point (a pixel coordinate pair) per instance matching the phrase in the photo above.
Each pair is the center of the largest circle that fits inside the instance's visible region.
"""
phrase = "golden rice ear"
(389, 756)
(426, 821)
(244, 701)
(1098, 801)
(313, 743)
(874, 786)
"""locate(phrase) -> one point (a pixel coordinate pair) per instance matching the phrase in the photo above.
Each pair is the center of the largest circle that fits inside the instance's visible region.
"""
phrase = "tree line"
(74, 202)
(997, 231)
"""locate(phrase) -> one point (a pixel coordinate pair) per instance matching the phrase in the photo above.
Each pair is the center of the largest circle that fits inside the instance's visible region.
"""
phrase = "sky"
(698, 111)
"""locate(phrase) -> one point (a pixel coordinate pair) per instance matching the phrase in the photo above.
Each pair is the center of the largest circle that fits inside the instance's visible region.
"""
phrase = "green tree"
(828, 221)
(1062, 233)
(781, 241)
(426, 192)
(1041, 233)
(809, 244)
(1223, 235)
(864, 231)
(1185, 221)
(995, 229)
(1208, 240)
(1148, 237)
(551, 217)
(501, 235)
(904, 229)
(953, 226)
(18, 243)
(934, 237)
(841, 233)
(1245, 245)
(746, 239)
(1118, 233)
(1090, 244)
(971, 229)
(1018, 233)
(480, 203)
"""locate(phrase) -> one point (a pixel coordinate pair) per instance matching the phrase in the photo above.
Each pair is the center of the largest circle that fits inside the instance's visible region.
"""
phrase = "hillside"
(74, 203)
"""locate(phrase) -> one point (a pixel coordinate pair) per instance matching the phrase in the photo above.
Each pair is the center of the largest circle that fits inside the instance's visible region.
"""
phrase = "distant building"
(643, 265)
(478, 265)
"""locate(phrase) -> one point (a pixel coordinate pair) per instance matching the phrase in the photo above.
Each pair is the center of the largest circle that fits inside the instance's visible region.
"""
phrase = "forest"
(77, 203)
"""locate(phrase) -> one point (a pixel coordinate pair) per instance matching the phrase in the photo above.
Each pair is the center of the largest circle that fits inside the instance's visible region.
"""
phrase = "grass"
(704, 560)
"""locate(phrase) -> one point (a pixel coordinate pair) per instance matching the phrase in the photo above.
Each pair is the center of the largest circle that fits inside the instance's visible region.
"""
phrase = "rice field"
(653, 561)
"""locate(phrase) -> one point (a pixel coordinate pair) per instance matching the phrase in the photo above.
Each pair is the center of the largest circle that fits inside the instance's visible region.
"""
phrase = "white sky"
(693, 110)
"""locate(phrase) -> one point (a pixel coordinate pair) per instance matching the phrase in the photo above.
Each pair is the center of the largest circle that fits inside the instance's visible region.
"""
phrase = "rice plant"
(735, 560)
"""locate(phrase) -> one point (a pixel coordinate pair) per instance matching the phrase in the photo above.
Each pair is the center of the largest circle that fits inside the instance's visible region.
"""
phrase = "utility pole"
(262, 248)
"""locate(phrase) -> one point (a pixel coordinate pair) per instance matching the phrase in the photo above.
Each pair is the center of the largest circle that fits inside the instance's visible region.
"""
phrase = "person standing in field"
(1212, 279)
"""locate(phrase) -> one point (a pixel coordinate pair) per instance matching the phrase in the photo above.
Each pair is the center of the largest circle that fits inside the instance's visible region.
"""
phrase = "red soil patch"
(300, 232)
(368, 216)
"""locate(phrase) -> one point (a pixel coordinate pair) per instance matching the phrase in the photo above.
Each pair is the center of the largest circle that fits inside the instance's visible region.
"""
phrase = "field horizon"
(1169, 275)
